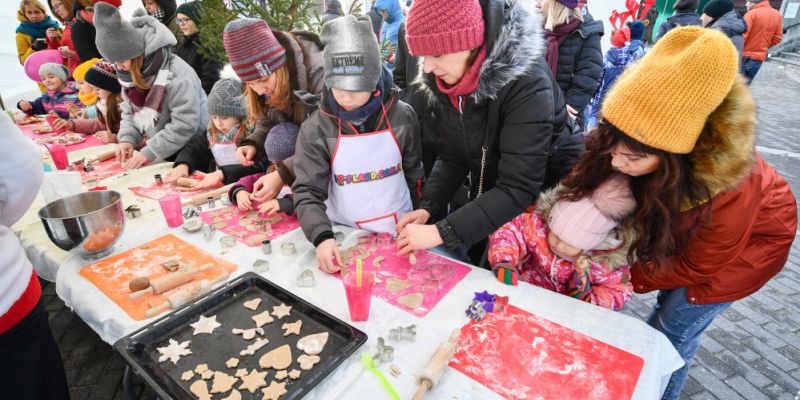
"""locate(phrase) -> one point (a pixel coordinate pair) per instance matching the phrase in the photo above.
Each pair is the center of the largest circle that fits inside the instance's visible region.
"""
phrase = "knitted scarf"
(358, 116)
(467, 84)
(228, 137)
(555, 38)
(146, 104)
(36, 30)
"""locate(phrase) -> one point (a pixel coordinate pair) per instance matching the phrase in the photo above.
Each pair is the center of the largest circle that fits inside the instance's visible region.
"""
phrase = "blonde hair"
(136, 73)
(32, 3)
(281, 100)
(558, 14)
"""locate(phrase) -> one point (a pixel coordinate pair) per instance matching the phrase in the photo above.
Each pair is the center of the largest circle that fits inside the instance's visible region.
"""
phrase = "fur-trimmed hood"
(724, 154)
(613, 252)
(514, 41)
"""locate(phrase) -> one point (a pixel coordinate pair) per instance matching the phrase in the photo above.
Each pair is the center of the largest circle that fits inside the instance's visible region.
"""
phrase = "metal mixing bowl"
(88, 223)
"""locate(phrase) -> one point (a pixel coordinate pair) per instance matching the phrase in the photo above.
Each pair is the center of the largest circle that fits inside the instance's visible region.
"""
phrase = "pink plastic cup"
(358, 298)
(171, 207)
(59, 155)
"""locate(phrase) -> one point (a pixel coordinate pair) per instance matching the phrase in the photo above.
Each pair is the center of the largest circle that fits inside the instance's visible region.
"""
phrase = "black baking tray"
(139, 348)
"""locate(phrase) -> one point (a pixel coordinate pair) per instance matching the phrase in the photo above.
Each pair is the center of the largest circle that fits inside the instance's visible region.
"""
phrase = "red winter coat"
(754, 217)
(764, 30)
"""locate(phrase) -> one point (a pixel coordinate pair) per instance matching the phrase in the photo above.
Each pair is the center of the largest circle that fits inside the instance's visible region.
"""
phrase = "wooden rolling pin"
(103, 156)
(185, 294)
(436, 366)
(202, 199)
(185, 182)
(170, 281)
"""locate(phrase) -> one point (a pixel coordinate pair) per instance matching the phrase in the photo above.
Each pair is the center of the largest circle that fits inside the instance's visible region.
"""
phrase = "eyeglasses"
(181, 21)
(56, 5)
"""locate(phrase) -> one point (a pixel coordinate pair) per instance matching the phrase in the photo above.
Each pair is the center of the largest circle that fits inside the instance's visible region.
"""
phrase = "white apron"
(368, 188)
(224, 153)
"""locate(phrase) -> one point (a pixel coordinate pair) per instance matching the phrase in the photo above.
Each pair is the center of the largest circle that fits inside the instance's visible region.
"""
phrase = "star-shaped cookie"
(205, 325)
(281, 311)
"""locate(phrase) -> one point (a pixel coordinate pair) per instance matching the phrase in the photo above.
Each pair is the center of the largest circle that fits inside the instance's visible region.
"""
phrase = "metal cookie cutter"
(133, 211)
(159, 181)
(227, 242)
(266, 247)
(210, 202)
(385, 353)
(475, 310)
(208, 232)
(288, 249)
(190, 212)
(260, 266)
(408, 333)
(306, 278)
(338, 236)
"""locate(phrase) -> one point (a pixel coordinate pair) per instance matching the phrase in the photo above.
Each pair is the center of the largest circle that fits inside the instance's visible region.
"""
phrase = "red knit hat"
(252, 49)
(115, 3)
(435, 27)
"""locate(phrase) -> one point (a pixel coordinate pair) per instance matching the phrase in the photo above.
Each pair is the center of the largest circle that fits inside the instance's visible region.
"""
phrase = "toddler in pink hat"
(574, 247)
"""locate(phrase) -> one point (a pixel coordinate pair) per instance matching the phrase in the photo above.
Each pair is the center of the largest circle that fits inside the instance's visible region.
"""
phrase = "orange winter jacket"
(764, 30)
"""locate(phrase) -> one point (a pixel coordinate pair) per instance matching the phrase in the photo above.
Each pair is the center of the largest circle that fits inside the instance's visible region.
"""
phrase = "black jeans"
(30, 363)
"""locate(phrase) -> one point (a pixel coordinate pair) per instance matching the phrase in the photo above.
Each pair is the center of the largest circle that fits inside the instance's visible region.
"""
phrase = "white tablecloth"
(350, 380)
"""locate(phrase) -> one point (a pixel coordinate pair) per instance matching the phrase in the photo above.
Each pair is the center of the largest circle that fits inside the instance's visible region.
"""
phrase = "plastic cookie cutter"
(306, 278)
(224, 200)
(500, 304)
(260, 266)
(385, 353)
(133, 211)
(487, 299)
(408, 333)
(475, 311)
(208, 232)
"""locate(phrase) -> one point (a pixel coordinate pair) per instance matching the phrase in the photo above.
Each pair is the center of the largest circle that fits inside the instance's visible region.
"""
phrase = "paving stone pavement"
(750, 352)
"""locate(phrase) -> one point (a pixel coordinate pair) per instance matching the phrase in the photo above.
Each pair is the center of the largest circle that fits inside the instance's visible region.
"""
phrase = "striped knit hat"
(252, 49)
(103, 75)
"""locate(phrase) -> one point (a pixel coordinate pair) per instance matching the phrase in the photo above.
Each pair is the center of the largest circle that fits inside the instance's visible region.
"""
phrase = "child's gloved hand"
(507, 274)
(243, 201)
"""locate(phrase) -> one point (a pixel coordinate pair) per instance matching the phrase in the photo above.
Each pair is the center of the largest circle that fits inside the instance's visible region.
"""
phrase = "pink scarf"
(555, 38)
(467, 84)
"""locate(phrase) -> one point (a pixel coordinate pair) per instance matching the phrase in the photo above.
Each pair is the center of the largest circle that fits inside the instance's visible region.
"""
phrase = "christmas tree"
(282, 15)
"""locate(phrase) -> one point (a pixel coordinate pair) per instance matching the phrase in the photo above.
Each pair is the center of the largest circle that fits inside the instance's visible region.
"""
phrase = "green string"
(369, 363)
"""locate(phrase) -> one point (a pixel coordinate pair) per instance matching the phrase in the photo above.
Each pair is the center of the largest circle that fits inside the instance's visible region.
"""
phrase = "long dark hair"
(661, 196)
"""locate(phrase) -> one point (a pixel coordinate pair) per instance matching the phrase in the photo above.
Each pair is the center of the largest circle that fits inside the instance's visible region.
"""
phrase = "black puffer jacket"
(197, 156)
(513, 117)
(207, 69)
(580, 63)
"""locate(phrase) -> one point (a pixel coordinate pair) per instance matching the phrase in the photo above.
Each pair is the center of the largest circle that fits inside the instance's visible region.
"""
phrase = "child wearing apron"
(358, 157)
(215, 152)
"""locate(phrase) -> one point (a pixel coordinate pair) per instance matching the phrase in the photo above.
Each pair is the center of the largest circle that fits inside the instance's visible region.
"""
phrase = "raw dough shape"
(174, 351)
(248, 334)
(240, 372)
(376, 262)
(235, 395)
(252, 304)
(274, 219)
(412, 301)
(281, 375)
(220, 225)
(281, 311)
(252, 215)
(232, 363)
(397, 284)
(187, 376)
(277, 359)
(313, 344)
(274, 391)
(205, 325)
(294, 374)
(262, 319)
(253, 348)
(200, 368)
(239, 234)
(253, 381)
(293, 328)
(255, 239)
(307, 362)
(222, 382)
(207, 374)
(217, 220)
(199, 388)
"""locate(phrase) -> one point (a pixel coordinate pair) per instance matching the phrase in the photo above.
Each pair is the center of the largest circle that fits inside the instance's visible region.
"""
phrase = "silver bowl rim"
(113, 204)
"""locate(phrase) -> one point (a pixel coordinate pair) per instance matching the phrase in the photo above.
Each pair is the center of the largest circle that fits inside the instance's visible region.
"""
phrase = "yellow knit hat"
(665, 99)
(79, 73)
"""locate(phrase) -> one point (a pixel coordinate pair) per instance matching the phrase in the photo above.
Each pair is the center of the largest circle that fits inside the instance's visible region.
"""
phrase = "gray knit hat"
(58, 70)
(116, 40)
(352, 56)
(226, 99)
(281, 141)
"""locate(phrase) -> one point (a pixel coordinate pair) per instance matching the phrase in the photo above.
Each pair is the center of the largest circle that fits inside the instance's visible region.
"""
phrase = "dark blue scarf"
(37, 30)
(360, 115)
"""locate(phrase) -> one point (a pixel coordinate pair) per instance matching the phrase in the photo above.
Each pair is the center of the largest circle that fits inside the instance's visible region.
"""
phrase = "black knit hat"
(103, 75)
(686, 5)
(718, 8)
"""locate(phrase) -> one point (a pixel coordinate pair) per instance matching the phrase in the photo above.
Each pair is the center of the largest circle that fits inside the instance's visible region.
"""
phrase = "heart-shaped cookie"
(313, 344)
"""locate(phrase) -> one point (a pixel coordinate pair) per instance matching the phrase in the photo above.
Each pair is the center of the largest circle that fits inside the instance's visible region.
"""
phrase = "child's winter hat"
(281, 141)
(585, 223)
(226, 99)
(252, 49)
(435, 27)
(352, 56)
(116, 39)
(569, 3)
(192, 10)
(104, 75)
(718, 8)
(58, 70)
(79, 73)
(637, 30)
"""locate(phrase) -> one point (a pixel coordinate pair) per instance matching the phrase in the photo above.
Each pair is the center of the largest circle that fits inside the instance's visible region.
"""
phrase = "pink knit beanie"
(585, 223)
(436, 27)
